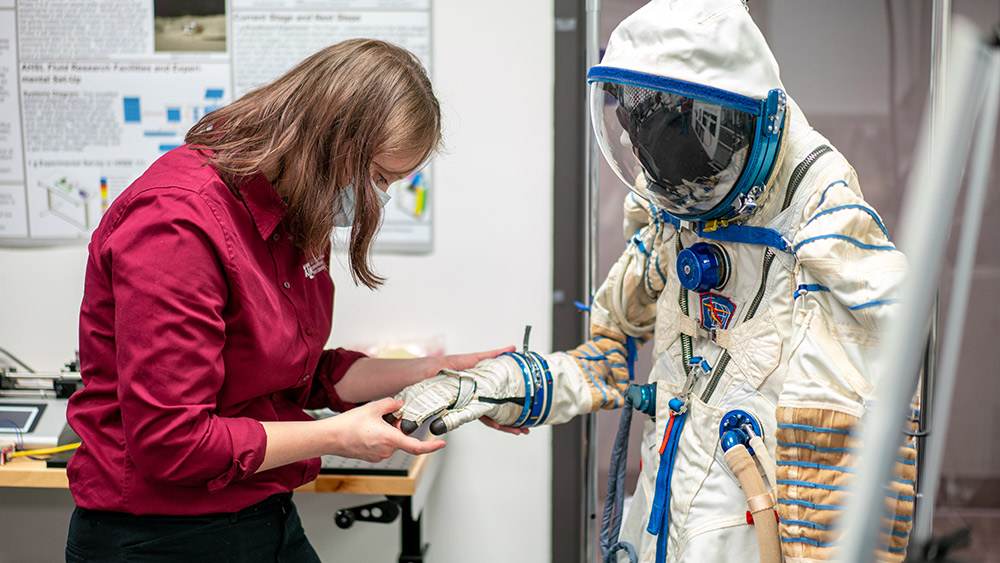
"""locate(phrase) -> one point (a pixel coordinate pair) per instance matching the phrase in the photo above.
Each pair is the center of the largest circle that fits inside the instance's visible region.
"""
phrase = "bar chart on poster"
(90, 98)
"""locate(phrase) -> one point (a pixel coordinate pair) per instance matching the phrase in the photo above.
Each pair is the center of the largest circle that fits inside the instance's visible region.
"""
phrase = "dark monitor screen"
(20, 418)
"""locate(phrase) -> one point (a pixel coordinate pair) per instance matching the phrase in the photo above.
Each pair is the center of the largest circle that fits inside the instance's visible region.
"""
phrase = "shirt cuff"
(332, 366)
(249, 442)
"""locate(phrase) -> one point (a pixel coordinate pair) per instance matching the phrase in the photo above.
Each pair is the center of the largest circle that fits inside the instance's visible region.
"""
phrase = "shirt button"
(276, 236)
(305, 378)
(287, 285)
(309, 331)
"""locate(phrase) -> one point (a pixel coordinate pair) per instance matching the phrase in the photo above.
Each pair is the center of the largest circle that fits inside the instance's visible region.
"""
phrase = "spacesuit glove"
(495, 388)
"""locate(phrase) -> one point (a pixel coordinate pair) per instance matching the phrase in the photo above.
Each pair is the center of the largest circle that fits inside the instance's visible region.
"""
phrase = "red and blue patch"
(716, 311)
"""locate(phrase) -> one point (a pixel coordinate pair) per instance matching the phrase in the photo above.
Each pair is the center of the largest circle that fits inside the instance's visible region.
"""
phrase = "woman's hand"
(516, 430)
(373, 378)
(362, 433)
(463, 362)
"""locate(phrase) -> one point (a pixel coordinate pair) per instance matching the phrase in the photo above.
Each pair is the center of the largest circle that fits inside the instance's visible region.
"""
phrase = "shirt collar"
(266, 208)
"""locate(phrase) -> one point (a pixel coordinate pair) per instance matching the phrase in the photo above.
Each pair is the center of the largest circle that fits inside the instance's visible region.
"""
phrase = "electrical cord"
(46, 451)
(17, 432)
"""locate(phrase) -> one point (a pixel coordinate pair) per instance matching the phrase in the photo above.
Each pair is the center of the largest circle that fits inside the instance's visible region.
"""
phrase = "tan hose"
(760, 452)
(759, 501)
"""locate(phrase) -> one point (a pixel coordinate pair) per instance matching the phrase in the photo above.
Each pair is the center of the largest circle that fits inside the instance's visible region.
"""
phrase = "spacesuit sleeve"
(622, 318)
(848, 277)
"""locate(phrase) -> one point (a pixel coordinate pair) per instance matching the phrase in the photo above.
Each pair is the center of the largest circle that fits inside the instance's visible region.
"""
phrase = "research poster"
(93, 91)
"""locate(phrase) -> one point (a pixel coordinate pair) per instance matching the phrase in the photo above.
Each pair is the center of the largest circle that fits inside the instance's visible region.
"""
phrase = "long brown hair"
(318, 128)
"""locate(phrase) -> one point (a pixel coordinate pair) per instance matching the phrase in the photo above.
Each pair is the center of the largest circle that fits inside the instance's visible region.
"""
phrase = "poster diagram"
(85, 113)
(70, 201)
(168, 121)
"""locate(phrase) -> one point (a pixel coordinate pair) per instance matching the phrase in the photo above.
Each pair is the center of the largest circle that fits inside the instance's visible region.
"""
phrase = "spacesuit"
(762, 279)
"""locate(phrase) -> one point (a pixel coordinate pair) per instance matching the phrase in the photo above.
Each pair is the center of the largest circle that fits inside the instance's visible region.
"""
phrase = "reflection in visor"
(686, 153)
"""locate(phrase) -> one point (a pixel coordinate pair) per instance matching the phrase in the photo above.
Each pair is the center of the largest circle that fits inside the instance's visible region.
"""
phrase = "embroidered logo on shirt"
(316, 266)
(716, 311)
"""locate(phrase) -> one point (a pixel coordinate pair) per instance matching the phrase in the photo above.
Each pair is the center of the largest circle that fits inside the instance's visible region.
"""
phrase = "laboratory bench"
(405, 489)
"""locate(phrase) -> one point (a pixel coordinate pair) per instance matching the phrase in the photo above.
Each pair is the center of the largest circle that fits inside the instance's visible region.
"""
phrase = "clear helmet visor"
(682, 154)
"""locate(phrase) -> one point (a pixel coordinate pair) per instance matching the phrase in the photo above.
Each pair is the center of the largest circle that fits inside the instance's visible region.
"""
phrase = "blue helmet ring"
(697, 153)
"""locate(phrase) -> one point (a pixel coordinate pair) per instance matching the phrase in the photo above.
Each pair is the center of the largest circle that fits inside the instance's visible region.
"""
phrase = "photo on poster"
(189, 25)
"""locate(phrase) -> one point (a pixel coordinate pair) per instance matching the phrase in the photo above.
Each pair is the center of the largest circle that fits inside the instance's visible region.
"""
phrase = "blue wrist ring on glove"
(537, 388)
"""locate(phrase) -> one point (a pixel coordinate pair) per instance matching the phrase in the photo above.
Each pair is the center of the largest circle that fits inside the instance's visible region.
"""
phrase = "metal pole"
(940, 24)
(591, 202)
(931, 196)
(964, 264)
(940, 48)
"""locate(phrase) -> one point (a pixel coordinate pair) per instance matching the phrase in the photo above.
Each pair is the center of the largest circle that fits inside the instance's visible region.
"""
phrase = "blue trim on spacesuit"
(632, 350)
(897, 496)
(537, 388)
(642, 249)
(811, 465)
(863, 208)
(810, 541)
(656, 259)
(807, 287)
(823, 197)
(874, 303)
(808, 504)
(666, 217)
(681, 87)
(816, 429)
(659, 515)
(547, 378)
(815, 447)
(526, 409)
(639, 245)
(846, 238)
(808, 524)
(597, 381)
(761, 236)
(810, 485)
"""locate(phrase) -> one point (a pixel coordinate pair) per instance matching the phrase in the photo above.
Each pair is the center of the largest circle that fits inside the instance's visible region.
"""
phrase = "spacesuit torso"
(752, 334)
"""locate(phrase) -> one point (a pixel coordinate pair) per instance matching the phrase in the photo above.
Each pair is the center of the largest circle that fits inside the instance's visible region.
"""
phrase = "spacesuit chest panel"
(731, 327)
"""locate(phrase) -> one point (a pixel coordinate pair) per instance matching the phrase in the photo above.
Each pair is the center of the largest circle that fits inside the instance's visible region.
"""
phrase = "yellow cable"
(45, 451)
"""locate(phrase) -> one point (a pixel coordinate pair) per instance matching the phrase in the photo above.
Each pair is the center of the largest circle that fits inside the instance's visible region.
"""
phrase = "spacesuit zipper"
(687, 349)
(793, 184)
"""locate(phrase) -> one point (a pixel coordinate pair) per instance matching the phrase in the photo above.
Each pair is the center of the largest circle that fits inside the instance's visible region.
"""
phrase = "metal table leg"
(412, 548)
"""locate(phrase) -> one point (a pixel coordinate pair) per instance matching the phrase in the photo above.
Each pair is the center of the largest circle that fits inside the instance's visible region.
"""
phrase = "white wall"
(488, 276)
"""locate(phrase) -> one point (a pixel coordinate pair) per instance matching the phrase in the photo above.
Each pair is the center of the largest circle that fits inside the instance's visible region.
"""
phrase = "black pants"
(269, 531)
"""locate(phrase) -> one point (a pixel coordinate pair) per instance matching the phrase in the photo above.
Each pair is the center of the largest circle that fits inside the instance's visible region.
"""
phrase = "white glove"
(494, 387)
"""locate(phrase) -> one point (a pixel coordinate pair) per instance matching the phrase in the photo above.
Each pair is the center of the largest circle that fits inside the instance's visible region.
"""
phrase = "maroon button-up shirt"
(200, 319)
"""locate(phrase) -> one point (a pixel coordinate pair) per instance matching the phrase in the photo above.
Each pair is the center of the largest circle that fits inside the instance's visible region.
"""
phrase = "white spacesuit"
(763, 279)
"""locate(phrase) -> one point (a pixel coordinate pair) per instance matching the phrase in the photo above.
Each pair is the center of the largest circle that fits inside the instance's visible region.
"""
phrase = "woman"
(207, 304)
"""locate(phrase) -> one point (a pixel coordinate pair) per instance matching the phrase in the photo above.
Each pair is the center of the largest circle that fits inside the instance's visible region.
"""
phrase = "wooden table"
(407, 492)
(31, 473)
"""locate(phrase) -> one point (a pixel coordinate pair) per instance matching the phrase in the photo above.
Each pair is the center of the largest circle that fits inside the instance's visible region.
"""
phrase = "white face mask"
(345, 215)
